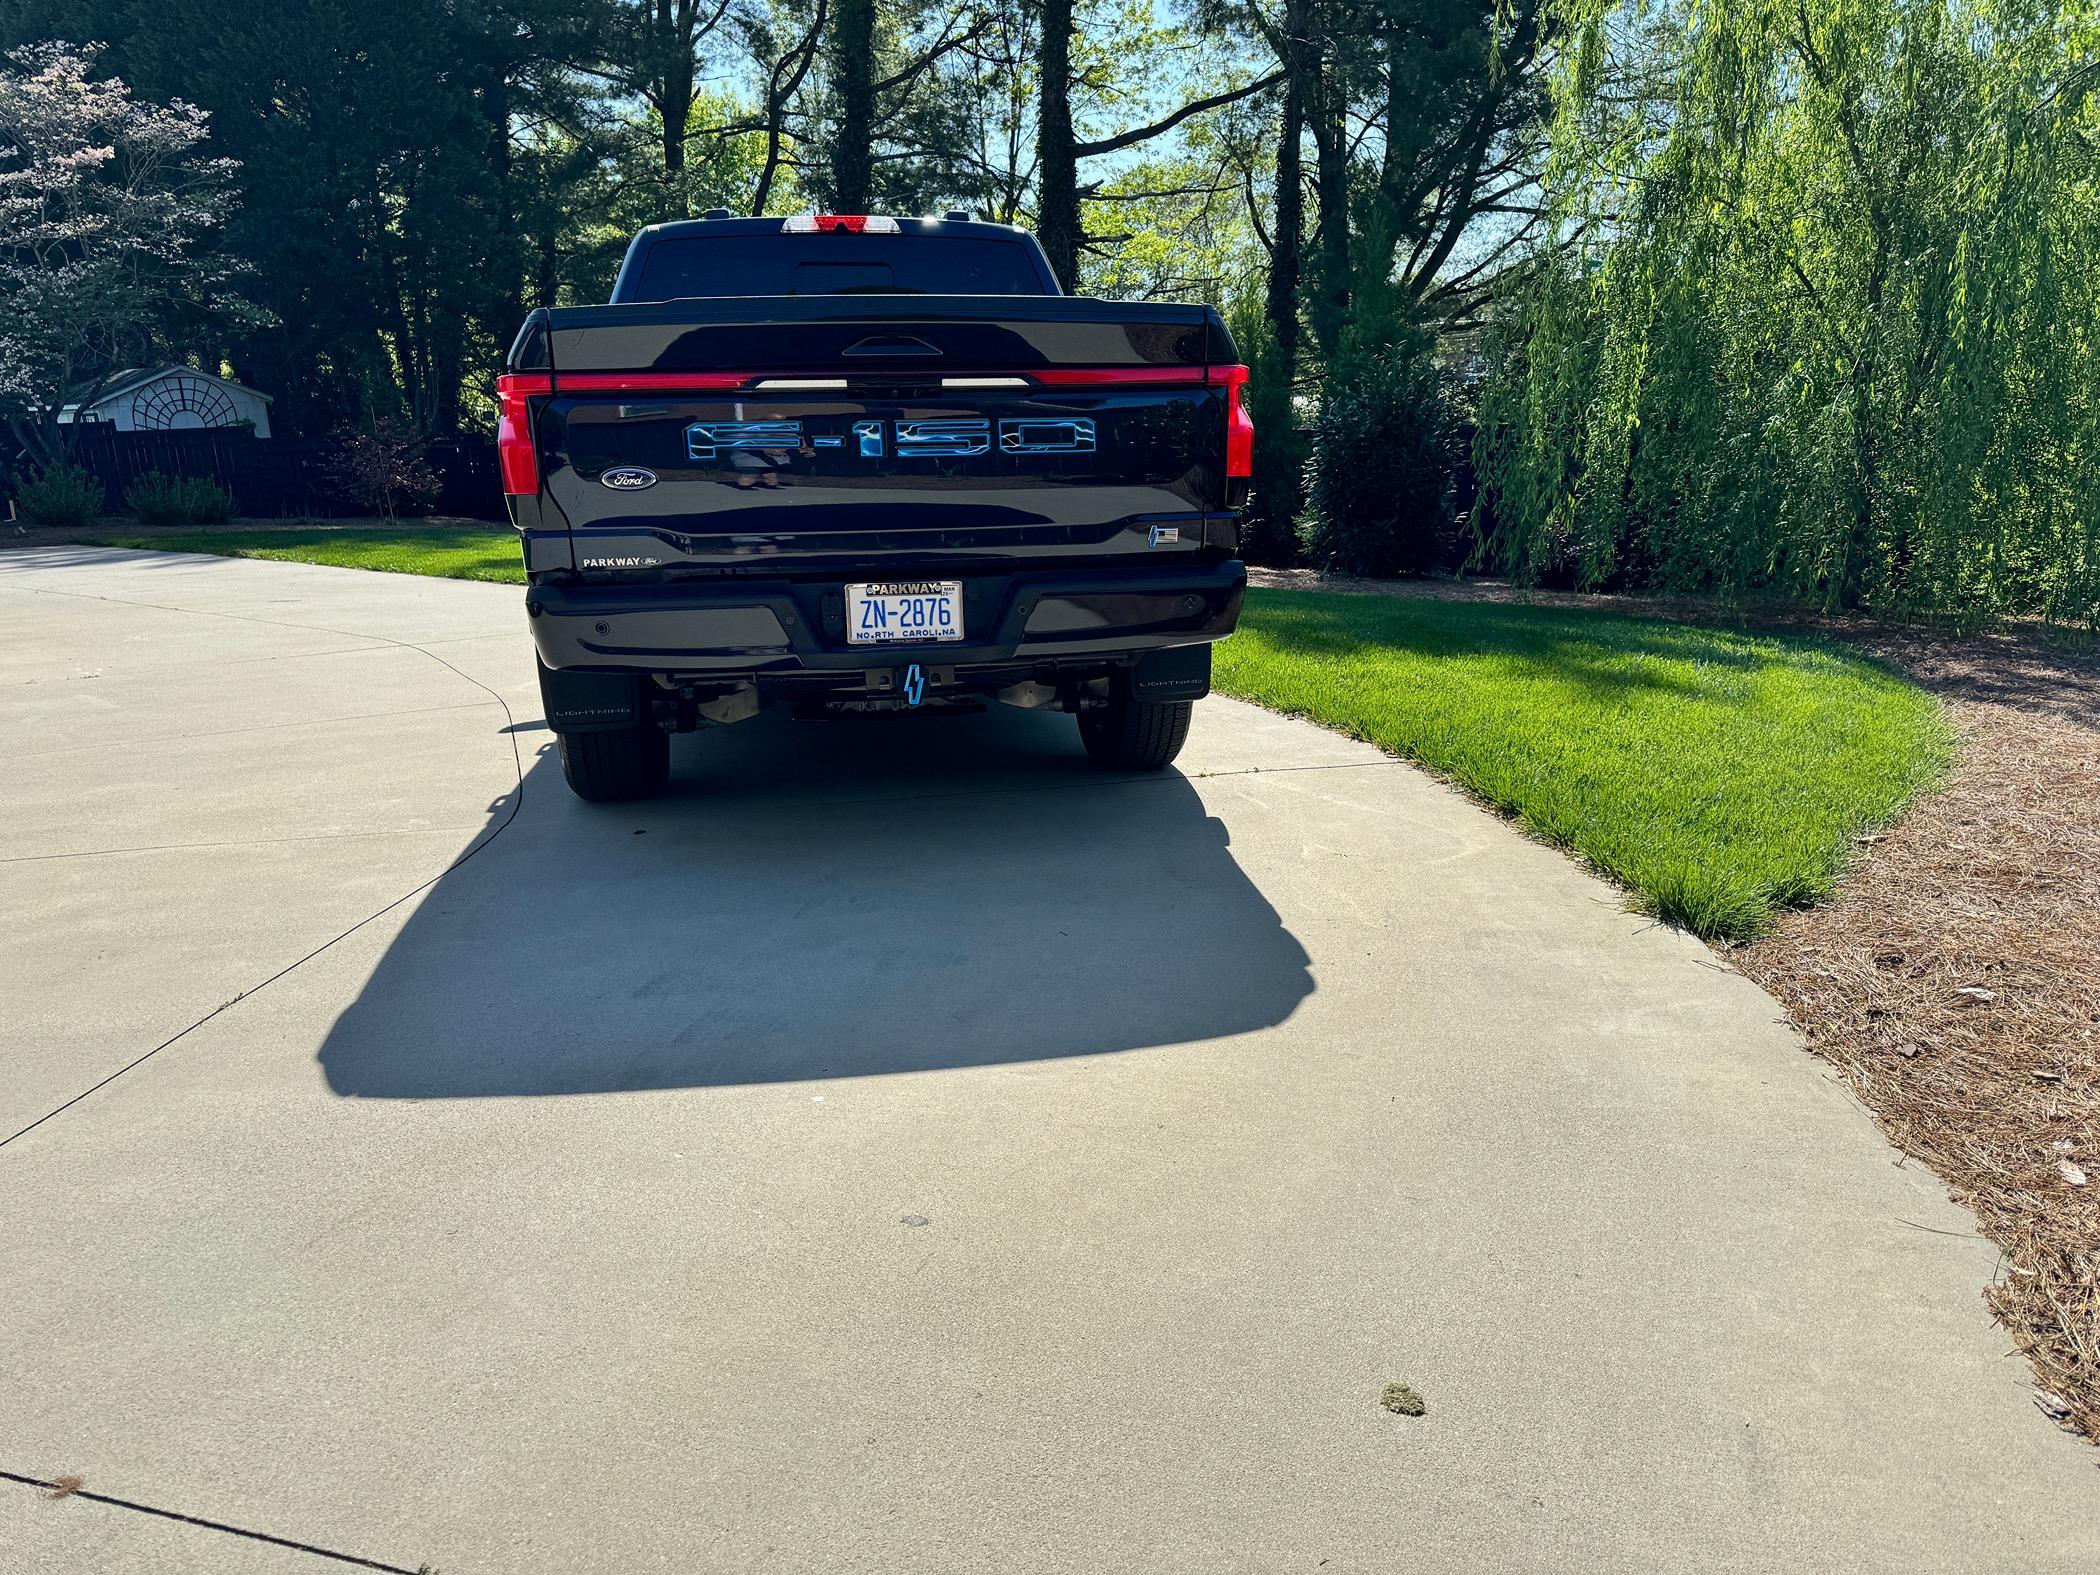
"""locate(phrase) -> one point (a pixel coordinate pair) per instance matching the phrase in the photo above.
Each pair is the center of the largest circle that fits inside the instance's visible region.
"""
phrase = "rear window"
(832, 264)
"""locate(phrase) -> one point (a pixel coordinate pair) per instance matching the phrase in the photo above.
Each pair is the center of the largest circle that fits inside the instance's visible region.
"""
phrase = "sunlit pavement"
(900, 1148)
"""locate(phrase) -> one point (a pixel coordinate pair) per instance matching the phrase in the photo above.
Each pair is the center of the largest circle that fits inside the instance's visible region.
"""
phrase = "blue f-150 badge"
(936, 437)
(914, 684)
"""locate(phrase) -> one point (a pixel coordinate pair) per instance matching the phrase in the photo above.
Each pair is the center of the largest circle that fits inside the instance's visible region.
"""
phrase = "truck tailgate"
(758, 435)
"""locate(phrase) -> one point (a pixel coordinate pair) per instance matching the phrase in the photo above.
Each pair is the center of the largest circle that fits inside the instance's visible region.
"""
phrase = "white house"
(173, 399)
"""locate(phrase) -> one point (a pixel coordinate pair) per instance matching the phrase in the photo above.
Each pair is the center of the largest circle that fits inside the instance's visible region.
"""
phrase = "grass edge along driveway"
(450, 552)
(1718, 775)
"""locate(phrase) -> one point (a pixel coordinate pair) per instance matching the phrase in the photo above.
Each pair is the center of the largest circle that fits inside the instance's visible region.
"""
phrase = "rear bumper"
(760, 628)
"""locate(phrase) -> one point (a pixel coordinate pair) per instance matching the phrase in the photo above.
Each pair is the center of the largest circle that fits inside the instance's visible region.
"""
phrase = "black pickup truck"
(868, 464)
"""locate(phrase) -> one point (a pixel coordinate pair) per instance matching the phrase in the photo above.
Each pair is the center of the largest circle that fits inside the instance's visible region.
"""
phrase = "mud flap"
(580, 701)
(1180, 672)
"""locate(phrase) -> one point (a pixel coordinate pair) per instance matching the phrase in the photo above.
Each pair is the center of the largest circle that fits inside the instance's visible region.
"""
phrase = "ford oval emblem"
(628, 478)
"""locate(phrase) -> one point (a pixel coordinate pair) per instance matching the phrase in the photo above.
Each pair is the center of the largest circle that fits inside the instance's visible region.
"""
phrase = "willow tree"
(1822, 315)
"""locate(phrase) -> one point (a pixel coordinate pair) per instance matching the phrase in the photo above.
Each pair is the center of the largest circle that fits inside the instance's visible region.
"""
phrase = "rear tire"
(1129, 734)
(607, 768)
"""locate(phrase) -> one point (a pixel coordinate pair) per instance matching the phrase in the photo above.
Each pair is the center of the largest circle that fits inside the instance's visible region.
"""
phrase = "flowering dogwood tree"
(108, 209)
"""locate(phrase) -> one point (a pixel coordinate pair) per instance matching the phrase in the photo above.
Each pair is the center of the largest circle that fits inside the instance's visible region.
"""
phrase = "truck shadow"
(823, 900)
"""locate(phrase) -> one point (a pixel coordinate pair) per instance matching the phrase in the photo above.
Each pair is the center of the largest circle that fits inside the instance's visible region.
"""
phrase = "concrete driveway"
(899, 1149)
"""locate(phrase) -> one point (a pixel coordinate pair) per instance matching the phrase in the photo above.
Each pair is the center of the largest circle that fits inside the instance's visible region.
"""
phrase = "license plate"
(904, 613)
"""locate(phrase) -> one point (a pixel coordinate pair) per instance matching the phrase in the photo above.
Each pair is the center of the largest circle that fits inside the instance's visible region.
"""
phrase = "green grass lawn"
(453, 552)
(1718, 775)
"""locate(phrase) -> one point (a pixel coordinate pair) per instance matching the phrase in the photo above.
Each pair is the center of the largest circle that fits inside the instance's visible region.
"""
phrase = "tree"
(996, 84)
(110, 210)
(652, 49)
(1421, 120)
(1463, 121)
(1060, 224)
(1381, 493)
(397, 163)
(853, 82)
(786, 61)
(1278, 484)
(1057, 221)
(382, 467)
(413, 177)
(880, 123)
(1832, 327)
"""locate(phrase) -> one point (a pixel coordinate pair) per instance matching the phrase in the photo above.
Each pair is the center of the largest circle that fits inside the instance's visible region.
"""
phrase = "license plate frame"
(904, 612)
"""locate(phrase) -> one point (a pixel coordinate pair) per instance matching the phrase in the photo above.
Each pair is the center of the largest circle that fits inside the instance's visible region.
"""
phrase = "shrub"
(1269, 523)
(64, 497)
(178, 500)
(1270, 534)
(382, 468)
(1382, 468)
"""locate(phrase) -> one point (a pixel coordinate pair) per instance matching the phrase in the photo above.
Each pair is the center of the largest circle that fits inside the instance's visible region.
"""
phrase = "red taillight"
(517, 455)
(1116, 376)
(1239, 426)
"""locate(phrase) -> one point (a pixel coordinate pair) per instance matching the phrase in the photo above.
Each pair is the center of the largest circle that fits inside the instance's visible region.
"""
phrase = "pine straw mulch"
(1955, 979)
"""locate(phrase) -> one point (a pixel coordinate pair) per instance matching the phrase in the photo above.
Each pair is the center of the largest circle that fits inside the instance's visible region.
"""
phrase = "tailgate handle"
(892, 344)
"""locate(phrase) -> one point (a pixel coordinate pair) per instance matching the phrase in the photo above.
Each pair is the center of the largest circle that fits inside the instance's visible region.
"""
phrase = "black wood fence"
(280, 478)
